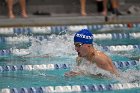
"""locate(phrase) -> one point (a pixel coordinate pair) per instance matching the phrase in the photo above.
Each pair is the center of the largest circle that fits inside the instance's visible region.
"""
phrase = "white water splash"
(129, 76)
(55, 45)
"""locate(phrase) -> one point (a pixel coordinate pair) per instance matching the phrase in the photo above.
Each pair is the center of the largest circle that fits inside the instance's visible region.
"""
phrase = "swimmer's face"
(82, 49)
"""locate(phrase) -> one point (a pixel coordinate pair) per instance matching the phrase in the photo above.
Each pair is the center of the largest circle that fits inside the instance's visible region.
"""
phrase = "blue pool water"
(60, 51)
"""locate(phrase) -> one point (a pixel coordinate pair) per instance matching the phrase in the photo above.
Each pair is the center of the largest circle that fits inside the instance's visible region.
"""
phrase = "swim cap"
(84, 36)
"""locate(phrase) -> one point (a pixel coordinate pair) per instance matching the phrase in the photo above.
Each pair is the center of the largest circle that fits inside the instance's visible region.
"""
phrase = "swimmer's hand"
(71, 74)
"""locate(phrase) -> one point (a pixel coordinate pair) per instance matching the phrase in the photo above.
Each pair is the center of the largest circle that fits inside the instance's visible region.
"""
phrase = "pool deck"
(65, 19)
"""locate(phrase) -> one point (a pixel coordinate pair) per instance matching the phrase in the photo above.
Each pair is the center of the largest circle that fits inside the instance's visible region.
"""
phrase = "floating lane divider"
(5, 52)
(96, 36)
(21, 39)
(73, 88)
(119, 48)
(25, 30)
(34, 67)
(120, 65)
(16, 52)
(24, 52)
(53, 29)
(116, 36)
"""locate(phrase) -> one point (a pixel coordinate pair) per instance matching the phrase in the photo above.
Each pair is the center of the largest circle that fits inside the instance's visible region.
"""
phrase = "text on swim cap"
(84, 36)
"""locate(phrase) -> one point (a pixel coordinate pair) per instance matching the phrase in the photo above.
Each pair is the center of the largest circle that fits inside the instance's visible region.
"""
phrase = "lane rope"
(53, 29)
(9, 68)
(22, 38)
(22, 52)
(73, 88)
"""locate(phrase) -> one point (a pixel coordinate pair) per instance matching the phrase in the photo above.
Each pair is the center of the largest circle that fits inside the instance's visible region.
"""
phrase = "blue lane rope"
(120, 47)
(5, 52)
(20, 52)
(96, 37)
(8, 68)
(50, 29)
(73, 88)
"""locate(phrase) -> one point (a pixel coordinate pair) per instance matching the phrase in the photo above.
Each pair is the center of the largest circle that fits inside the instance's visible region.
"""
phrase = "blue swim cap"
(84, 36)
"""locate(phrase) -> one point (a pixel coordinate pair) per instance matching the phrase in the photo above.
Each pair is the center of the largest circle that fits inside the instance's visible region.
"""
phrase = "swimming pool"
(34, 59)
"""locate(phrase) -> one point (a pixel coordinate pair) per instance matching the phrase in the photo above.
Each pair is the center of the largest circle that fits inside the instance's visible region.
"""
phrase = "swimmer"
(90, 59)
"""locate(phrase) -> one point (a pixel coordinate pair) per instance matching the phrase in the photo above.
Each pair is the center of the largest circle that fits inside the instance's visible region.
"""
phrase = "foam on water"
(131, 76)
(54, 45)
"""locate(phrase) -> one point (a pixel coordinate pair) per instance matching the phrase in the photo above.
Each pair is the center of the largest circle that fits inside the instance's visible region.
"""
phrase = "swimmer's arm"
(41, 56)
(71, 74)
(75, 73)
(114, 70)
(102, 64)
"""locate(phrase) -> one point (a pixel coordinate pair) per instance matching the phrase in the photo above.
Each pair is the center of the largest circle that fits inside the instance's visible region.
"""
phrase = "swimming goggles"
(78, 44)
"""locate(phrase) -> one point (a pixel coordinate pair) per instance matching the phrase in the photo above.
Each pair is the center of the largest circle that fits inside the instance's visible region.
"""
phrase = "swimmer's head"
(84, 36)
